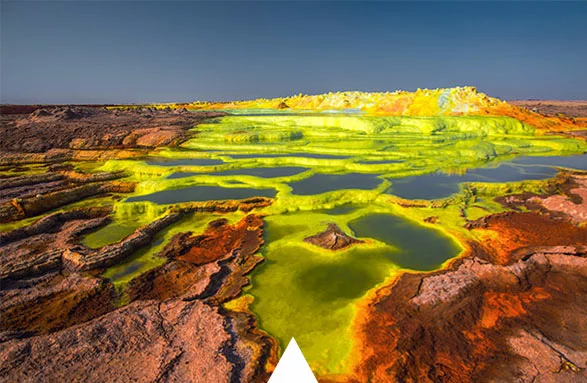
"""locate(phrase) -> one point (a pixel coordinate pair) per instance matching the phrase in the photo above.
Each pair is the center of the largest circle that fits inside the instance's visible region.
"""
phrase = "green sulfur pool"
(309, 293)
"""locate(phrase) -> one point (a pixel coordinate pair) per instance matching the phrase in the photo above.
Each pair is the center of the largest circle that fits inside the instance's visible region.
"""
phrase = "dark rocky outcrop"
(333, 238)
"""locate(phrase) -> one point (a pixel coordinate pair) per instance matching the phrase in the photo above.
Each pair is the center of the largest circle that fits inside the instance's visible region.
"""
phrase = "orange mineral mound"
(423, 102)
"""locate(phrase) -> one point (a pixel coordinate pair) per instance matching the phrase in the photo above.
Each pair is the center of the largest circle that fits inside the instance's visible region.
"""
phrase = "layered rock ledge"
(65, 325)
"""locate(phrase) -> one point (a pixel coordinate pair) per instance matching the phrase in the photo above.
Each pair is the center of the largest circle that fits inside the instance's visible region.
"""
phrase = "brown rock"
(209, 266)
(38, 248)
(518, 230)
(52, 302)
(159, 137)
(94, 128)
(432, 219)
(145, 341)
(178, 336)
(333, 238)
(83, 258)
(32, 205)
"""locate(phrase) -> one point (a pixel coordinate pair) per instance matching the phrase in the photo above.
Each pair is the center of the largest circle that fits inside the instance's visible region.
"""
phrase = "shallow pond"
(439, 185)
(285, 171)
(321, 183)
(202, 193)
(578, 162)
(419, 248)
(112, 233)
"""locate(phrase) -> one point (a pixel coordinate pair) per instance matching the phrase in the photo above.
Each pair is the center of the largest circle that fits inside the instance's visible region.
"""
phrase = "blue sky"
(149, 51)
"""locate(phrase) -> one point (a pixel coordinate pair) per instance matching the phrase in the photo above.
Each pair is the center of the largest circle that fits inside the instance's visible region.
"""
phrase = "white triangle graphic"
(292, 367)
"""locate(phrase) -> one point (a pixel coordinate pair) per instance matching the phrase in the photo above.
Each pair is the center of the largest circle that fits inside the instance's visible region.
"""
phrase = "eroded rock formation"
(145, 341)
(30, 195)
(59, 320)
(481, 322)
(38, 248)
(225, 252)
(51, 302)
(333, 238)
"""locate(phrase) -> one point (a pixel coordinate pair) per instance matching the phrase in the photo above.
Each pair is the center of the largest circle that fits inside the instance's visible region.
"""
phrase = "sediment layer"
(423, 102)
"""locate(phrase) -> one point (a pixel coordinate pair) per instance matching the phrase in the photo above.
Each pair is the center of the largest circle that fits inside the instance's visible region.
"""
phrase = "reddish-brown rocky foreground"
(58, 319)
(574, 112)
(60, 323)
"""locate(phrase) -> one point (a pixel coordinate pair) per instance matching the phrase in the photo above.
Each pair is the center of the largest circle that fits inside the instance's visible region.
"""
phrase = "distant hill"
(423, 102)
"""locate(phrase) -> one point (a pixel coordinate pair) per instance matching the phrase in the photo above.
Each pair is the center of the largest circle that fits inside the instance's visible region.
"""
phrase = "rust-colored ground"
(569, 108)
(513, 234)
(569, 112)
(474, 333)
(196, 258)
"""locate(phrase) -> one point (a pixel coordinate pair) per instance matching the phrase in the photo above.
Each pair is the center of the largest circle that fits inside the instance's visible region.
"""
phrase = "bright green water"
(285, 171)
(306, 292)
(112, 233)
(202, 193)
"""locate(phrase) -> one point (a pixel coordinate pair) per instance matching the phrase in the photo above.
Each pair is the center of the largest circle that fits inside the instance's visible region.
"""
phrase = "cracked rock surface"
(145, 341)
